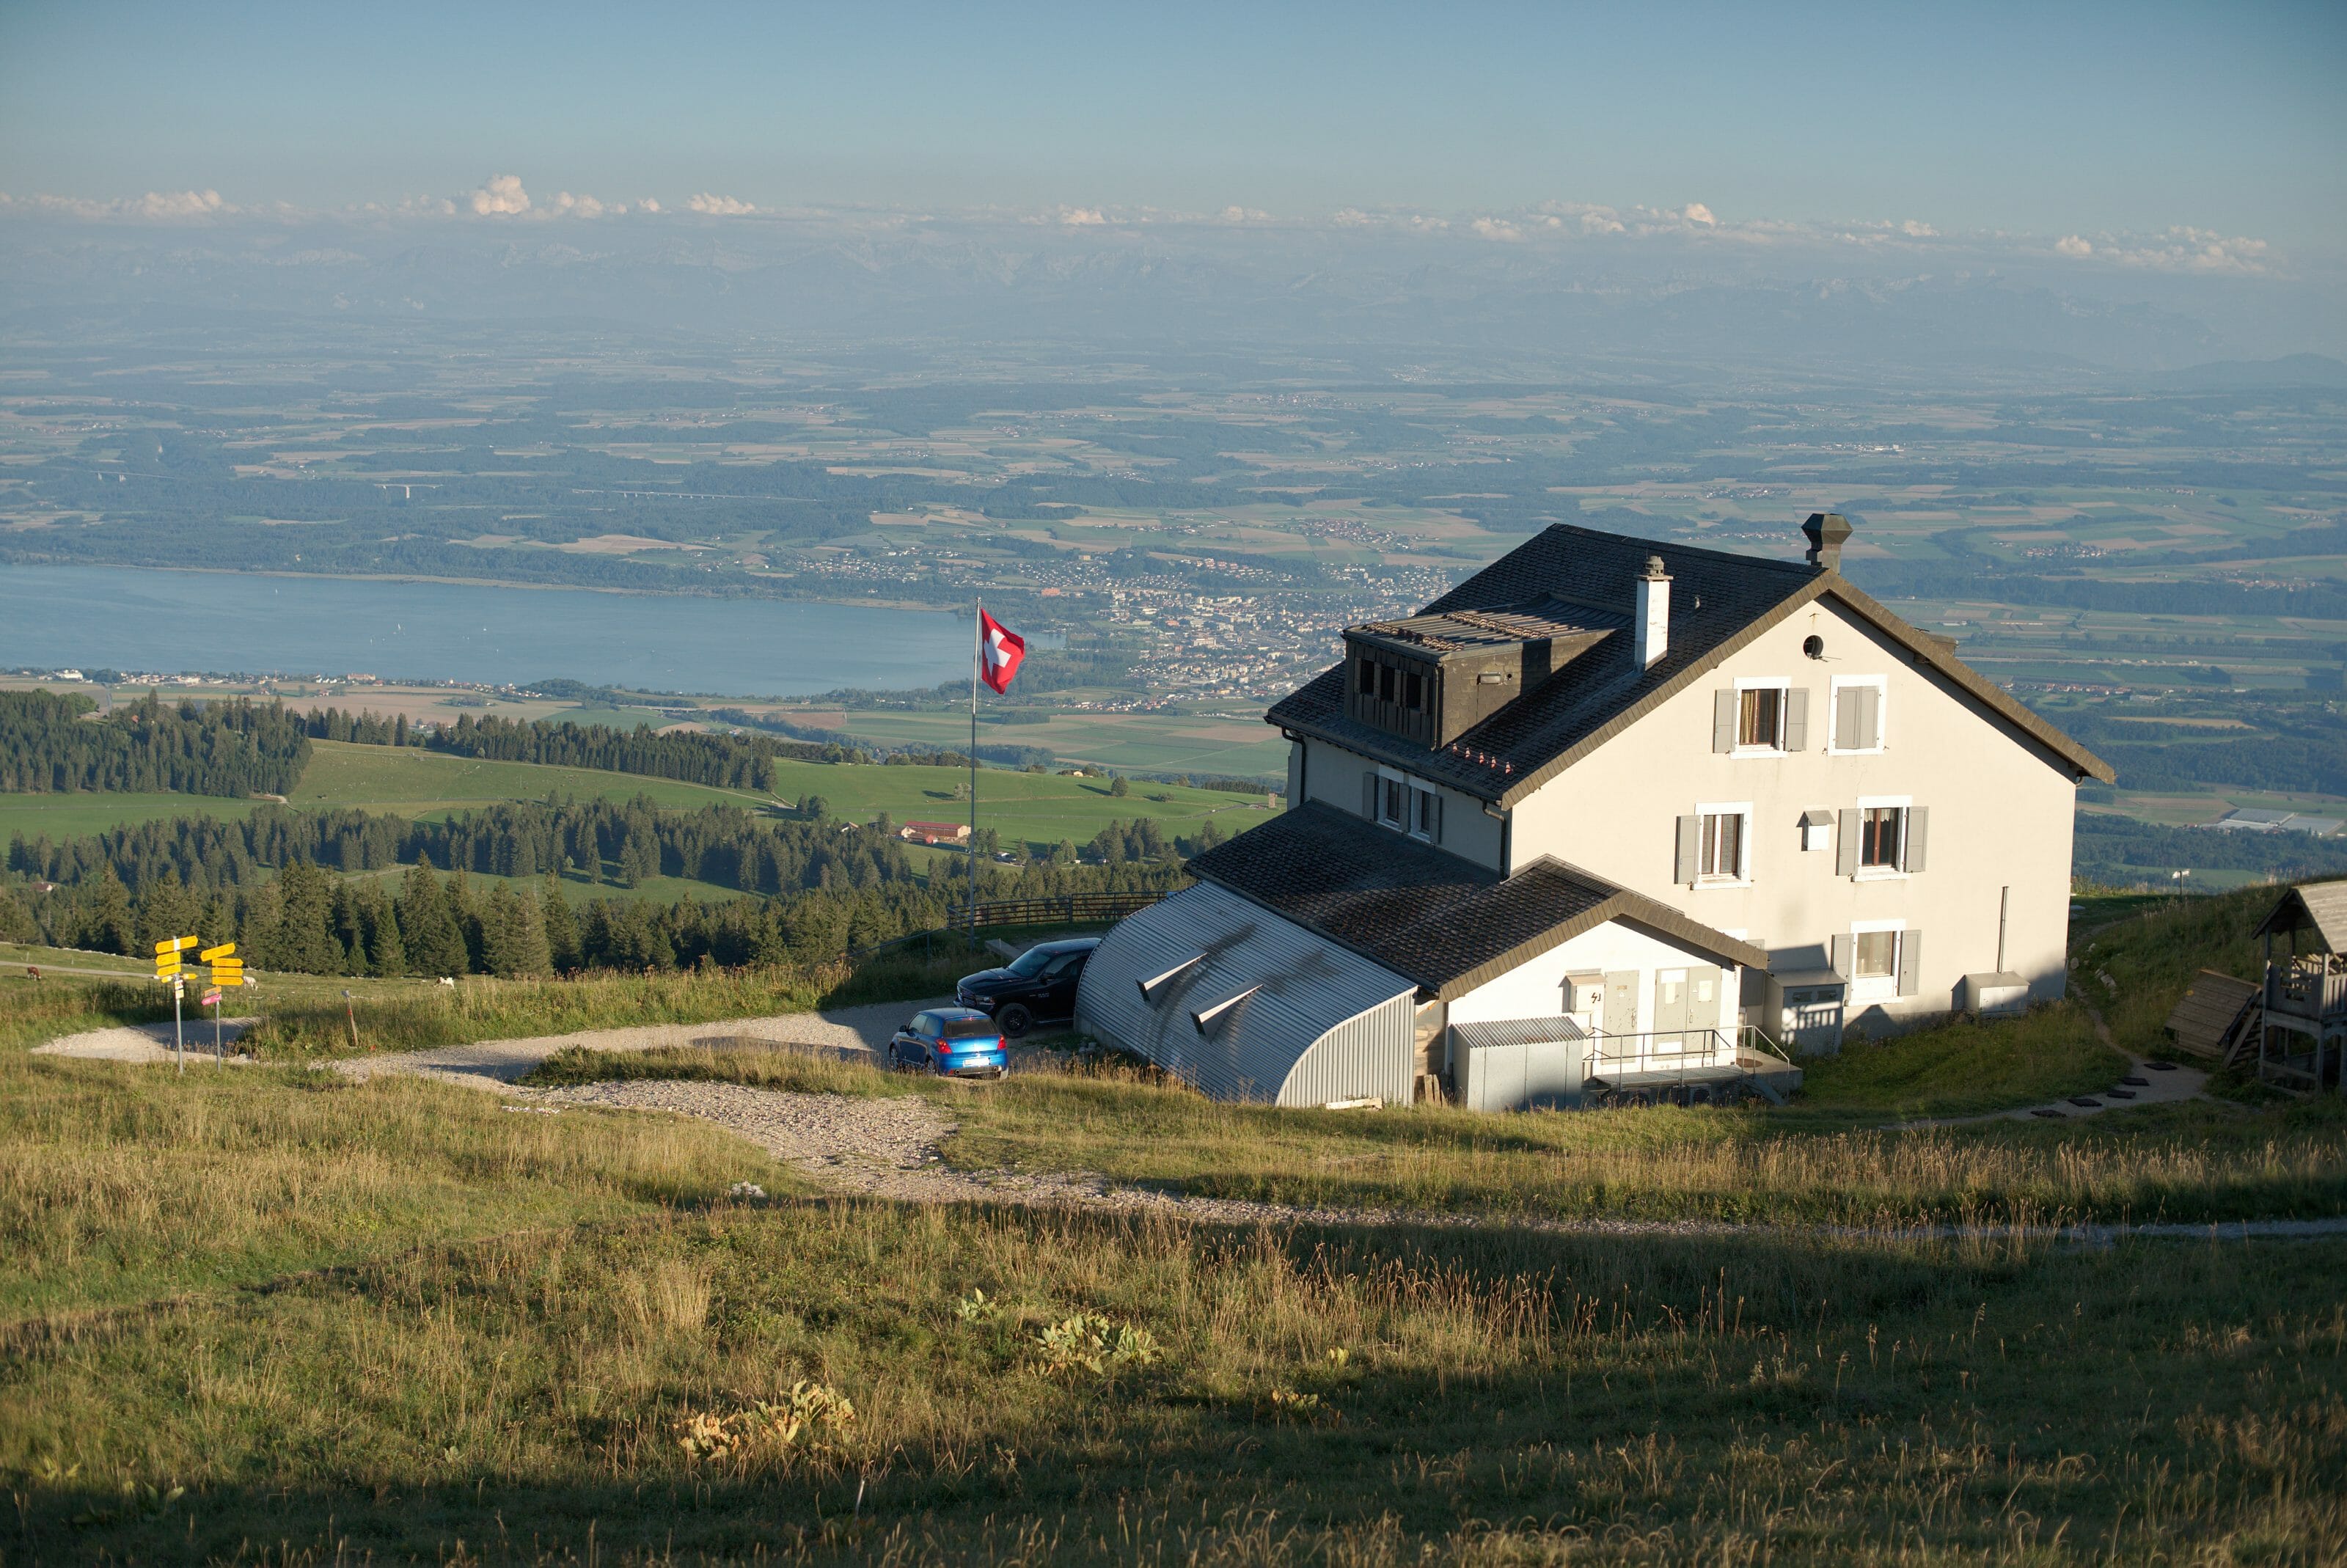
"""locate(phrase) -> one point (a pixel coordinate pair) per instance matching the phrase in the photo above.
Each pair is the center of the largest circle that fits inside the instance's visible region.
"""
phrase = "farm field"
(412, 781)
(1201, 743)
(62, 816)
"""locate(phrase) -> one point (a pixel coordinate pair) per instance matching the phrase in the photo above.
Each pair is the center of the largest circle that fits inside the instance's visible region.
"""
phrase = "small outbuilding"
(1320, 963)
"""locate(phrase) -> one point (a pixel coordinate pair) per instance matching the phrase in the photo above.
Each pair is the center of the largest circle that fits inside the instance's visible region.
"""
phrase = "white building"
(1681, 803)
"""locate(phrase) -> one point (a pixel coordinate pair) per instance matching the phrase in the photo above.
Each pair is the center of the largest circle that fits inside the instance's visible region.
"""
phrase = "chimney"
(1827, 531)
(1654, 613)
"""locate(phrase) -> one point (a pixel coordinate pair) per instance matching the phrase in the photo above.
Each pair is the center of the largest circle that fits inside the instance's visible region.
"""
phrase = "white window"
(1879, 956)
(1760, 715)
(1393, 803)
(1721, 843)
(1857, 712)
(1887, 834)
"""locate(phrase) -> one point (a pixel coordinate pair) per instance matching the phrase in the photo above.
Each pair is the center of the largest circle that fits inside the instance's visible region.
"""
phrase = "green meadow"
(1041, 809)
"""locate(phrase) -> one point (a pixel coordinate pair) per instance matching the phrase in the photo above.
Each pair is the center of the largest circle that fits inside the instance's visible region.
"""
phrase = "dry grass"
(805, 1070)
(2186, 1162)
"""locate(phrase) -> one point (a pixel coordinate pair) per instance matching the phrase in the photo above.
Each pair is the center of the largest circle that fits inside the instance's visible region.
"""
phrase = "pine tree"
(466, 910)
(561, 929)
(385, 951)
(435, 945)
(305, 938)
(166, 910)
(516, 941)
(108, 925)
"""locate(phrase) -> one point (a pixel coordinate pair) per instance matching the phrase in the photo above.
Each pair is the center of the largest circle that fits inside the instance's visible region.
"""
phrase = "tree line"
(421, 922)
(237, 748)
(722, 762)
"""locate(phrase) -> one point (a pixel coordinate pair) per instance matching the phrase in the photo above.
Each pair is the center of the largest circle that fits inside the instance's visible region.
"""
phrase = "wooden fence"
(1012, 914)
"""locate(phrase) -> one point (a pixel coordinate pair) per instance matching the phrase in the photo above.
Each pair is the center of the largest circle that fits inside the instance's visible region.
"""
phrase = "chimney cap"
(1654, 571)
(1826, 532)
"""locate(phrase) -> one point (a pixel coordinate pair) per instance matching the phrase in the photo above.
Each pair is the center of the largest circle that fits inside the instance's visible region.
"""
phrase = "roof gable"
(1444, 922)
(1721, 604)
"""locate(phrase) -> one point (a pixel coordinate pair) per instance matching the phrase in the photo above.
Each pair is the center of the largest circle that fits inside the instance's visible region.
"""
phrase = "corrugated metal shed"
(1521, 1063)
(1224, 995)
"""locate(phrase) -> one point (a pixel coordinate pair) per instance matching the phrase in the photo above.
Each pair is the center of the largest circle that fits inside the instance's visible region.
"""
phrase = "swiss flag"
(999, 649)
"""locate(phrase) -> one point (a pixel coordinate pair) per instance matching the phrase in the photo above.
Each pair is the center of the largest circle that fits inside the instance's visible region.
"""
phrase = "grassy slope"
(1156, 742)
(379, 1321)
(1038, 808)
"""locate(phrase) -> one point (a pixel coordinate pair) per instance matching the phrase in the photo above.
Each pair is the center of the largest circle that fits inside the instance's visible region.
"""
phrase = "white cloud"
(1497, 229)
(502, 196)
(649, 205)
(715, 206)
(162, 206)
(2071, 245)
(1697, 212)
(1237, 214)
(1915, 231)
(1081, 217)
(571, 206)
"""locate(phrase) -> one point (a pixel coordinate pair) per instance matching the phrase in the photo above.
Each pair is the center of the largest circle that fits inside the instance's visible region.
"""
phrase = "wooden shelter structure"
(2302, 1035)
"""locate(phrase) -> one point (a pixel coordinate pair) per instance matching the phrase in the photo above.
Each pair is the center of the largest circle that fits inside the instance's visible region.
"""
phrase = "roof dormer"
(1429, 679)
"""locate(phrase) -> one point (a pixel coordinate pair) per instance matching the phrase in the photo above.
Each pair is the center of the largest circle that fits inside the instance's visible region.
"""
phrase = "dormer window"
(1431, 678)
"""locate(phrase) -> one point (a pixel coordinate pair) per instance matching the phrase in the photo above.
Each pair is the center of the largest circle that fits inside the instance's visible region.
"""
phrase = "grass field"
(394, 1321)
(1147, 743)
(1038, 809)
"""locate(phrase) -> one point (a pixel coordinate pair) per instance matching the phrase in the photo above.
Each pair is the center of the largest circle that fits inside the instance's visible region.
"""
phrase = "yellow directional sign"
(168, 945)
(209, 953)
(166, 967)
(178, 944)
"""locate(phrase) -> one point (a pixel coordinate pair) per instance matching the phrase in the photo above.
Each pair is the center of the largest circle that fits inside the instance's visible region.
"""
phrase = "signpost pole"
(217, 1055)
(178, 1039)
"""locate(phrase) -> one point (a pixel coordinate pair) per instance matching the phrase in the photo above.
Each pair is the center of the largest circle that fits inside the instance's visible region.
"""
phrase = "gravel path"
(494, 1063)
(146, 1041)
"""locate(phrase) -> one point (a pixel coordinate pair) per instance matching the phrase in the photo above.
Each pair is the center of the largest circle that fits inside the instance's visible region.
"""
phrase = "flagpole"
(976, 657)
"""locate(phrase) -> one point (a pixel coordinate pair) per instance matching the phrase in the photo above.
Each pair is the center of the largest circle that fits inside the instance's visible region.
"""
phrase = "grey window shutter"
(1918, 819)
(1723, 719)
(1845, 721)
(1434, 825)
(1796, 719)
(1910, 959)
(1845, 954)
(1846, 845)
(1690, 848)
(1869, 718)
(1369, 794)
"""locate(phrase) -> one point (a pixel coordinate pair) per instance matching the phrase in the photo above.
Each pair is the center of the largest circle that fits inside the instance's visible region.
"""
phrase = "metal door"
(1702, 1008)
(1622, 1001)
(1670, 1009)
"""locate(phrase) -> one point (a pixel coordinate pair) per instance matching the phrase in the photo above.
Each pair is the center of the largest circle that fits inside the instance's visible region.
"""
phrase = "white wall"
(1333, 774)
(2001, 809)
(1536, 988)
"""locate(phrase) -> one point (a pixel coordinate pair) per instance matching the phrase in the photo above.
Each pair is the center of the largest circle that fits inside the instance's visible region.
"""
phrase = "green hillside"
(1036, 808)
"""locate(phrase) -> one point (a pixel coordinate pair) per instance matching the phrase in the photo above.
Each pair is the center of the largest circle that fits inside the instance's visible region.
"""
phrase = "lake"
(169, 622)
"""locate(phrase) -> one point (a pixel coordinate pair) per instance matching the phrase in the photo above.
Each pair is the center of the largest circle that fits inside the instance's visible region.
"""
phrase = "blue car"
(952, 1043)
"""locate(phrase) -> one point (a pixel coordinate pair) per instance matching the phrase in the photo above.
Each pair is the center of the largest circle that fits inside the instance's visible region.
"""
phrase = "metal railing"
(1668, 1056)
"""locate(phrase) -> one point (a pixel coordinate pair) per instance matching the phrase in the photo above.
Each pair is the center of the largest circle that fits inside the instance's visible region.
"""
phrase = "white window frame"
(1882, 685)
(1876, 987)
(1417, 807)
(1411, 788)
(1782, 685)
(1743, 877)
(1905, 806)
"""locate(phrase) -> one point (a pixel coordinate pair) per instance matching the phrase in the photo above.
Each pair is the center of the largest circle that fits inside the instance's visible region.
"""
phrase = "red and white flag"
(999, 649)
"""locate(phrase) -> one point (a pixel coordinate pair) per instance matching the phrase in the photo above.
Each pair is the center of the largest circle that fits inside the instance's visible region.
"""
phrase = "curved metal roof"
(1224, 994)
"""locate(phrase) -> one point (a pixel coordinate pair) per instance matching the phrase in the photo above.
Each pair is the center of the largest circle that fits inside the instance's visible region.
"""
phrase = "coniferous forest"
(48, 745)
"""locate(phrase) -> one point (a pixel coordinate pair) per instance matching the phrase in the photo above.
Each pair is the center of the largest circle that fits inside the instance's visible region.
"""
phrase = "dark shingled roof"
(1720, 603)
(1447, 923)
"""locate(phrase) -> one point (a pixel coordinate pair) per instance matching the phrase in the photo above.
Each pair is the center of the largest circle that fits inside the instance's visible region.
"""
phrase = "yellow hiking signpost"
(226, 971)
(168, 967)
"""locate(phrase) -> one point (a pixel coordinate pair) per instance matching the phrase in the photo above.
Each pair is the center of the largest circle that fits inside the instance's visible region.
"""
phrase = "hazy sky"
(2050, 119)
